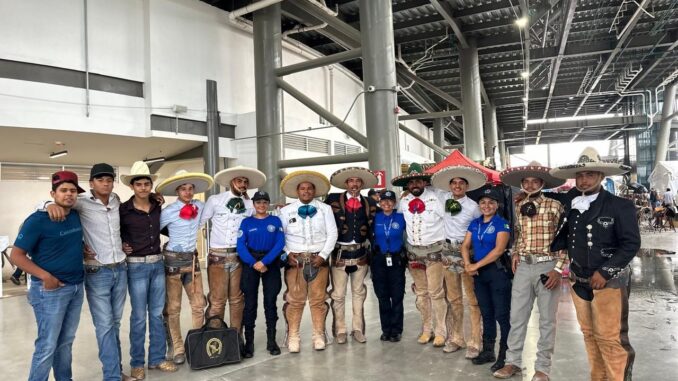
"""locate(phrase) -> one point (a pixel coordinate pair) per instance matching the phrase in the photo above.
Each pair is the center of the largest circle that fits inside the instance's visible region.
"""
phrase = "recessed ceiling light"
(524, 74)
(54, 155)
(522, 22)
(570, 98)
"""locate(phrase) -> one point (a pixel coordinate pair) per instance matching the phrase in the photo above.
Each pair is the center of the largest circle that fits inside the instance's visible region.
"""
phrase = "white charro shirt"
(457, 225)
(427, 227)
(317, 234)
(225, 223)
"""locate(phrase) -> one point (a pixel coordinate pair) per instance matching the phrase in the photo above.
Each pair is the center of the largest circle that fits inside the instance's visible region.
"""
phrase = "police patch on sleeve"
(270, 228)
(506, 226)
(240, 233)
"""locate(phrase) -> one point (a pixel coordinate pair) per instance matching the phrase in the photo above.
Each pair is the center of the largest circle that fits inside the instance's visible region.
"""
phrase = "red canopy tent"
(458, 158)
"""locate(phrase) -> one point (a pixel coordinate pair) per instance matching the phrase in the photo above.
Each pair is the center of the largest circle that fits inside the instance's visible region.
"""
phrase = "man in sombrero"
(353, 214)
(310, 236)
(182, 268)
(424, 211)
(460, 210)
(537, 270)
(601, 235)
(226, 211)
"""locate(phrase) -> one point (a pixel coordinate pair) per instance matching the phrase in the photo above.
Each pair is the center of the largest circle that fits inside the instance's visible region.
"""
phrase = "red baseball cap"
(61, 177)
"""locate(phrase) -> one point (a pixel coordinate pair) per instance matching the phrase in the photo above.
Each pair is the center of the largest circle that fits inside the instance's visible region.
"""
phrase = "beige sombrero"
(514, 176)
(290, 182)
(139, 169)
(474, 177)
(338, 178)
(256, 178)
(589, 160)
(201, 183)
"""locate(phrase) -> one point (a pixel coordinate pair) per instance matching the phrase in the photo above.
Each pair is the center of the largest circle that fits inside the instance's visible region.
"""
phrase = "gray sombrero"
(289, 184)
(514, 176)
(256, 178)
(474, 177)
(338, 178)
(201, 183)
(589, 160)
(414, 172)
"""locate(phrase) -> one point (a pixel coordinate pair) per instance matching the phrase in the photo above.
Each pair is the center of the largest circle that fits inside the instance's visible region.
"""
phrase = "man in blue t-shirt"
(260, 243)
(56, 276)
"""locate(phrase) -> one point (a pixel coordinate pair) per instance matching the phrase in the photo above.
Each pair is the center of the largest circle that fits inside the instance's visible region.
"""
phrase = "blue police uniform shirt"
(388, 231)
(484, 235)
(260, 234)
(54, 246)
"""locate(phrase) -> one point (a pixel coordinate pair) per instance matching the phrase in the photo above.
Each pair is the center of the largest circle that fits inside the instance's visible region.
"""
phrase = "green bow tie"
(453, 207)
(236, 205)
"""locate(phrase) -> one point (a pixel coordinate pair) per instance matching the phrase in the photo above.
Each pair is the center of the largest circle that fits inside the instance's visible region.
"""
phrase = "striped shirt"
(533, 235)
(101, 226)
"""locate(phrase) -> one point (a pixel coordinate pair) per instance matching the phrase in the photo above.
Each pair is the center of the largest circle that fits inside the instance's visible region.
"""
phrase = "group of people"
(452, 245)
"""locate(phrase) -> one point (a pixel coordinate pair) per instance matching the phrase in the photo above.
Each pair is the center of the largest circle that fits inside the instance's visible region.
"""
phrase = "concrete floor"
(653, 333)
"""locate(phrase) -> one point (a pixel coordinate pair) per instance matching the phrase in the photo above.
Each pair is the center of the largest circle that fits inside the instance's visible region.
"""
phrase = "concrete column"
(627, 149)
(470, 98)
(491, 134)
(503, 156)
(211, 148)
(665, 124)
(267, 58)
(376, 25)
(438, 137)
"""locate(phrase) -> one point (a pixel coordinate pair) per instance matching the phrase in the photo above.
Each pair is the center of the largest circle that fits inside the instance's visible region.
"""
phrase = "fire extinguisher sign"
(381, 179)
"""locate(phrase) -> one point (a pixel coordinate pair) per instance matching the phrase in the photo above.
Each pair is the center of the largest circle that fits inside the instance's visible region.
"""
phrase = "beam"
(428, 86)
(444, 10)
(318, 109)
(431, 115)
(425, 141)
(323, 160)
(319, 62)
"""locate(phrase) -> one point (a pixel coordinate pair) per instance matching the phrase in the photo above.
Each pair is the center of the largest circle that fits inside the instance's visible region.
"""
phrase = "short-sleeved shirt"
(388, 232)
(56, 247)
(262, 235)
(484, 235)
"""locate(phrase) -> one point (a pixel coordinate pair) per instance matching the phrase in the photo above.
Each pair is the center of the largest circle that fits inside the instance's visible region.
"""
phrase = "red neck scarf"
(353, 205)
(416, 206)
(188, 212)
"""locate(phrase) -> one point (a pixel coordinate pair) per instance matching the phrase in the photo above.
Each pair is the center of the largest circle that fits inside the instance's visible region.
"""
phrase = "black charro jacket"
(352, 226)
(615, 235)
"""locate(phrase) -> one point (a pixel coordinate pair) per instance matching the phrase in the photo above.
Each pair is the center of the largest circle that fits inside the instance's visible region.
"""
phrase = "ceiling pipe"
(251, 8)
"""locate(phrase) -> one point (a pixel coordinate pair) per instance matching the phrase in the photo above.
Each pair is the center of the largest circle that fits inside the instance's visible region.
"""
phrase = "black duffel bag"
(207, 347)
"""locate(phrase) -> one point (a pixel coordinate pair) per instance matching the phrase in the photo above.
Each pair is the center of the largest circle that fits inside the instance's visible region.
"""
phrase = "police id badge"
(389, 260)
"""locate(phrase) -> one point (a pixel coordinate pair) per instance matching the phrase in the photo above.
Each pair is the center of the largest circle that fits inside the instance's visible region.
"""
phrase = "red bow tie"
(416, 206)
(188, 212)
(353, 204)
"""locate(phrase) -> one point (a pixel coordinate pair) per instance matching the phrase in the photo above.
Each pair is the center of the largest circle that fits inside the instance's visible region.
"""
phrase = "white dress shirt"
(457, 225)
(424, 228)
(225, 223)
(309, 235)
(101, 226)
(183, 234)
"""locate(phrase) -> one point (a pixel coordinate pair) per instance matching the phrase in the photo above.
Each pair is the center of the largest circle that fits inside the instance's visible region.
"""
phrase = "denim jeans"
(57, 313)
(106, 292)
(146, 282)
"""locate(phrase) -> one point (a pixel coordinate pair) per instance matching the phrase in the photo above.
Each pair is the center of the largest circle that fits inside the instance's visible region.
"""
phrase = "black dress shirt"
(139, 229)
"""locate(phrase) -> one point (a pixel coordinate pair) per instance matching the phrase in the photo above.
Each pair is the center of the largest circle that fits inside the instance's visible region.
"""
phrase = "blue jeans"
(57, 313)
(146, 283)
(106, 291)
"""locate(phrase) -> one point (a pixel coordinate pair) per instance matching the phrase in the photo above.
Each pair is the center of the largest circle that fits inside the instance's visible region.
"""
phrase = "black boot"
(248, 350)
(271, 346)
(500, 359)
(487, 354)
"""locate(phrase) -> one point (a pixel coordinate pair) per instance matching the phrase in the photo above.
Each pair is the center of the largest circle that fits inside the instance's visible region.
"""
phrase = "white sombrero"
(201, 183)
(338, 178)
(256, 178)
(474, 177)
(139, 169)
(290, 182)
(589, 160)
(514, 176)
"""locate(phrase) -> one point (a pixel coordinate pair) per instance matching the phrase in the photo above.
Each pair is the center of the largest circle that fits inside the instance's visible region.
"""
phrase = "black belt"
(257, 254)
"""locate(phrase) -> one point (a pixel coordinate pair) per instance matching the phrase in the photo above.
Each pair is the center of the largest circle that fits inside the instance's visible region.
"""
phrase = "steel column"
(438, 137)
(211, 148)
(491, 134)
(503, 155)
(665, 124)
(267, 58)
(627, 149)
(379, 72)
(470, 98)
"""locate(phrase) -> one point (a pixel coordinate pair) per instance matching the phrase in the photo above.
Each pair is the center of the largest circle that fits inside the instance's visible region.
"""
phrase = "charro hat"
(514, 176)
(201, 183)
(256, 178)
(338, 178)
(414, 172)
(139, 169)
(289, 184)
(474, 177)
(589, 160)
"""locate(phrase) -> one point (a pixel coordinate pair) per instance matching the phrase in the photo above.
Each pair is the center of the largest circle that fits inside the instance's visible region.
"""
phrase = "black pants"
(493, 291)
(389, 286)
(249, 283)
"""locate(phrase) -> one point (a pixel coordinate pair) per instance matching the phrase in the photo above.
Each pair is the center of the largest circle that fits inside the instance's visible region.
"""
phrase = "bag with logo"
(208, 347)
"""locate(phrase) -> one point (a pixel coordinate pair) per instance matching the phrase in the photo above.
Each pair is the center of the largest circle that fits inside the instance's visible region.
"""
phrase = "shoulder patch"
(270, 228)
(240, 233)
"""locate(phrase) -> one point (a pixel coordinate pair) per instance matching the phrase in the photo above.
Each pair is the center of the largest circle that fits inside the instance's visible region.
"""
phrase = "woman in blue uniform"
(488, 235)
(260, 243)
(388, 267)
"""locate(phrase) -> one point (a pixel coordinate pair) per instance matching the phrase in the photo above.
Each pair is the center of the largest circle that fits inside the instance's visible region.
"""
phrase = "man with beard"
(226, 211)
(537, 270)
(460, 210)
(424, 212)
(601, 235)
(310, 235)
(353, 215)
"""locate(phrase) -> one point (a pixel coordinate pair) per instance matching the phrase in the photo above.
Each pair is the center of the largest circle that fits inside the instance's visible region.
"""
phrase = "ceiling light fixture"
(54, 155)
(152, 160)
(524, 74)
(522, 22)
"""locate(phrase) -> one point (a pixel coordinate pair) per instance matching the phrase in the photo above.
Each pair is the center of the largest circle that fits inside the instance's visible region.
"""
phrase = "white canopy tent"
(664, 176)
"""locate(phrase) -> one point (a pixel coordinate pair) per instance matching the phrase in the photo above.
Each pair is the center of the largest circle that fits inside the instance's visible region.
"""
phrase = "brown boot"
(540, 376)
(507, 371)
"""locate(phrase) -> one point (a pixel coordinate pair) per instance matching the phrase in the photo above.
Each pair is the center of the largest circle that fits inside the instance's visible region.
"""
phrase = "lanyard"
(481, 236)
